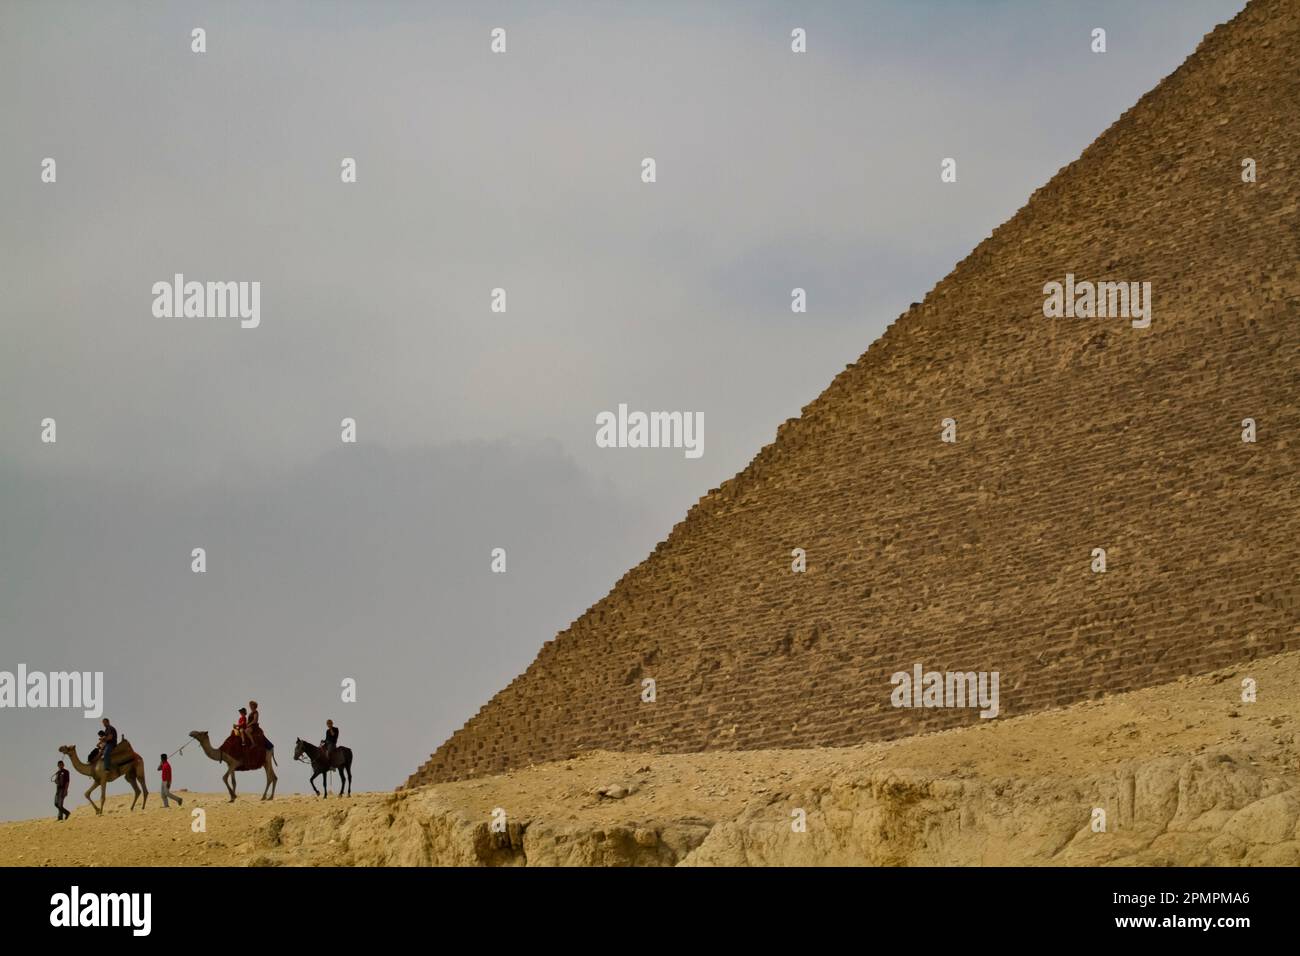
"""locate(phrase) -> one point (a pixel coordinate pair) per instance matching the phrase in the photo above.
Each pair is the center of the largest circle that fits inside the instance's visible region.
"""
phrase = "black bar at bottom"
(184, 905)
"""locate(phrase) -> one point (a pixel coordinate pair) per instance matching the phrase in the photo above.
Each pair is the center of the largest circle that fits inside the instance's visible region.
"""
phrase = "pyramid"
(1072, 434)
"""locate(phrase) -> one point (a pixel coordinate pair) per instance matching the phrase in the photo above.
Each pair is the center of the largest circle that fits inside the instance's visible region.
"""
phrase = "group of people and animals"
(245, 749)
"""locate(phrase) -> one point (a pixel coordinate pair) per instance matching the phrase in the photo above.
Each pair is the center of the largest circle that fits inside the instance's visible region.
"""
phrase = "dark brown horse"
(340, 760)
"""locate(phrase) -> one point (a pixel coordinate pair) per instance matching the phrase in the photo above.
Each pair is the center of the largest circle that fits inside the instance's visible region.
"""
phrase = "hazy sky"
(476, 429)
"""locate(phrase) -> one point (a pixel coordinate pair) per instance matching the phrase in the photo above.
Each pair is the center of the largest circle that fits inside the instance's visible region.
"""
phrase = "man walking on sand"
(166, 770)
(60, 781)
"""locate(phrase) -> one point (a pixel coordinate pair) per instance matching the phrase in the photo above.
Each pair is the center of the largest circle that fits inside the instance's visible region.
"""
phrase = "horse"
(321, 767)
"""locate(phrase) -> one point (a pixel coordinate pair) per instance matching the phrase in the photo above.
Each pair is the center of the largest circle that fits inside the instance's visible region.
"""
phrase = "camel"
(320, 767)
(233, 764)
(103, 778)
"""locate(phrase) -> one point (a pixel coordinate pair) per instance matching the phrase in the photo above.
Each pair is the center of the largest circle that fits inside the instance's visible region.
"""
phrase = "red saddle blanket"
(249, 756)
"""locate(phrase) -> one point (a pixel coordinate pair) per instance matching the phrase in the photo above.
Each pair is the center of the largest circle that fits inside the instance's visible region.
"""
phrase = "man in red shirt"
(166, 770)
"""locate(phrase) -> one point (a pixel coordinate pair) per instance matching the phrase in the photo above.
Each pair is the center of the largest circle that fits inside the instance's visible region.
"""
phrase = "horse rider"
(331, 739)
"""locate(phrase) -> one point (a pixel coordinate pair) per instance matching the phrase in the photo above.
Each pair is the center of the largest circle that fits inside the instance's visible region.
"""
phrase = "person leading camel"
(166, 769)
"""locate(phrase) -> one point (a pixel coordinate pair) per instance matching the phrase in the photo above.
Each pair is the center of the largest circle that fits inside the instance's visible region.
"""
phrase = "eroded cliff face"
(1210, 810)
(1187, 773)
(1214, 809)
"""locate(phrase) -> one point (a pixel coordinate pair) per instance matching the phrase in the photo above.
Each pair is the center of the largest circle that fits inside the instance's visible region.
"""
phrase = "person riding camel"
(255, 730)
(110, 741)
(240, 729)
(96, 750)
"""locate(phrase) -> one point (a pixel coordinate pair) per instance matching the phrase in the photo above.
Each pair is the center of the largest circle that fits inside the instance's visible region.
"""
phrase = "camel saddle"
(123, 754)
(248, 756)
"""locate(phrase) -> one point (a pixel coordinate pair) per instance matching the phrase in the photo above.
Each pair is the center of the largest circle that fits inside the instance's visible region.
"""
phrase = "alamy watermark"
(626, 429)
(76, 908)
(1098, 300)
(84, 689)
(946, 689)
(208, 300)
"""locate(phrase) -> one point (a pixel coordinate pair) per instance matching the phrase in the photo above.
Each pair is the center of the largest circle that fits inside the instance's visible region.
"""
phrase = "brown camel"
(232, 764)
(96, 772)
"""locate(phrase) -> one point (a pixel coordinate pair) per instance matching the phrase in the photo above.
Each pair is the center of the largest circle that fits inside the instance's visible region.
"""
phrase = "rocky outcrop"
(1215, 809)
(423, 829)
